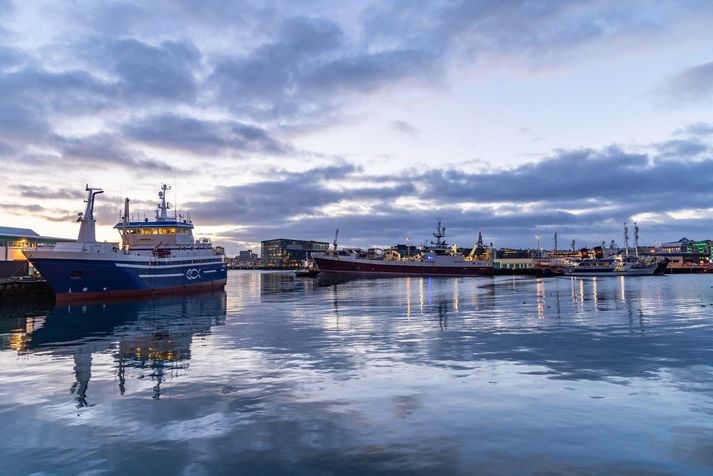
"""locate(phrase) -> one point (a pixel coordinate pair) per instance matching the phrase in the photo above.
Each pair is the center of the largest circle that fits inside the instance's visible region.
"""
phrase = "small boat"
(617, 266)
(307, 270)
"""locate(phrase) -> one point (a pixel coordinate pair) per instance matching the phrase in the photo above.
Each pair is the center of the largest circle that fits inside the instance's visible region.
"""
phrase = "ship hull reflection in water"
(502, 375)
(152, 336)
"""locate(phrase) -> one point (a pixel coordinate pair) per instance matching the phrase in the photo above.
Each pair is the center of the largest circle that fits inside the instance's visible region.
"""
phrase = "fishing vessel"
(436, 259)
(153, 257)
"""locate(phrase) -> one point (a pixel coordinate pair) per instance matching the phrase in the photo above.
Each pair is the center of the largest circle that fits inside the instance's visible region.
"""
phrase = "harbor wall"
(11, 269)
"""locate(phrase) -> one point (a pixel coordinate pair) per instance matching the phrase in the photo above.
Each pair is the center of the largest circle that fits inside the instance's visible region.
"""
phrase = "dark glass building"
(289, 253)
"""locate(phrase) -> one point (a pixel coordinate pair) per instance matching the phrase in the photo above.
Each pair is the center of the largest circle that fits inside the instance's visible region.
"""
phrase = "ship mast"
(87, 228)
(626, 240)
(164, 206)
(440, 233)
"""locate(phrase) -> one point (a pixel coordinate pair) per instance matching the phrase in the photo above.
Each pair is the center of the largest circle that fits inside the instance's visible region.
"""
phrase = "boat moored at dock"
(154, 257)
(617, 266)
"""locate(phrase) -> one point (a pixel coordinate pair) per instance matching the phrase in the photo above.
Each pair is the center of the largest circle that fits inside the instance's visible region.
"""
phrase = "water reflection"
(154, 336)
(409, 376)
(585, 334)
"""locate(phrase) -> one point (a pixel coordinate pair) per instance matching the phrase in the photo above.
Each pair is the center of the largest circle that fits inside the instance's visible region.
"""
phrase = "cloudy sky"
(290, 119)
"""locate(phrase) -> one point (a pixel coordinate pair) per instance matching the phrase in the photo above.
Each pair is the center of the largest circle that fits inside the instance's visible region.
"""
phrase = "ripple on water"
(409, 375)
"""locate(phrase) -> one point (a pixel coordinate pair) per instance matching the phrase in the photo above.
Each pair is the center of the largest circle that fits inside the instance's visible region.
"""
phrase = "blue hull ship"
(154, 257)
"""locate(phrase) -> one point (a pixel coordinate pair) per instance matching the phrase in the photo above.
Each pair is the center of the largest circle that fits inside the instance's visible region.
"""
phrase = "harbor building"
(685, 246)
(687, 252)
(514, 259)
(247, 256)
(283, 252)
(13, 241)
(246, 259)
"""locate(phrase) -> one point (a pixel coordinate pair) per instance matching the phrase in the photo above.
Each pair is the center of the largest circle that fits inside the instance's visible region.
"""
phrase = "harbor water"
(278, 375)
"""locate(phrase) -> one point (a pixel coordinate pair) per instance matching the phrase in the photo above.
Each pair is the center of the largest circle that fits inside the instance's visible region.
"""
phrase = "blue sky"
(289, 119)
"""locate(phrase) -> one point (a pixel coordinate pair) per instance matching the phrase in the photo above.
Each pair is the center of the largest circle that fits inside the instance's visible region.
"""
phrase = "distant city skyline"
(291, 119)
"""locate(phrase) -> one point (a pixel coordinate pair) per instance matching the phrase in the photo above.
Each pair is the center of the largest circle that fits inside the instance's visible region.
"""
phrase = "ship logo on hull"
(193, 273)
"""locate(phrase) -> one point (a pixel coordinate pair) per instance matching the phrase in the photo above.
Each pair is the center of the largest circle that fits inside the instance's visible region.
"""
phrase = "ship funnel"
(87, 227)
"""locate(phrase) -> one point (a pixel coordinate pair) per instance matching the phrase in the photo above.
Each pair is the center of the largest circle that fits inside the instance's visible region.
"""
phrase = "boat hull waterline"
(397, 268)
(653, 269)
(86, 279)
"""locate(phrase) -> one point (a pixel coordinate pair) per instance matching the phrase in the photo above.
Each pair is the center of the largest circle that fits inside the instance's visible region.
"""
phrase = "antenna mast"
(626, 240)
(440, 233)
(555, 241)
(162, 212)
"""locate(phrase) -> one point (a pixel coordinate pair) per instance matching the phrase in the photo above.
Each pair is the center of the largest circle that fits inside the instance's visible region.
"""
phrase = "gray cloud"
(690, 85)
(309, 67)
(6, 150)
(106, 149)
(49, 214)
(585, 194)
(44, 193)
(678, 148)
(278, 200)
(269, 78)
(698, 129)
(199, 136)
(6, 8)
(535, 34)
(132, 71)
(610, 174)
(164, 71)
(404, 128)
(286, 70)
(10, 57)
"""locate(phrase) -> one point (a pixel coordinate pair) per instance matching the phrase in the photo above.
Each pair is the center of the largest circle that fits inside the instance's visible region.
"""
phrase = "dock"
(30, 290)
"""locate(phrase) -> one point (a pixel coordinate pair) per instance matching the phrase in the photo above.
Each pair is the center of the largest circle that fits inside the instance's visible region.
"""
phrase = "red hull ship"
(440, 259)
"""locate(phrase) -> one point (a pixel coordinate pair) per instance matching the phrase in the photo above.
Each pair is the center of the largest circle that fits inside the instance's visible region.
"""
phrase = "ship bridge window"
(158, 231)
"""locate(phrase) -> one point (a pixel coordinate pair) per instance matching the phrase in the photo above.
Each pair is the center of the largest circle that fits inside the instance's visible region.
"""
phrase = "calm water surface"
(414, 376)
